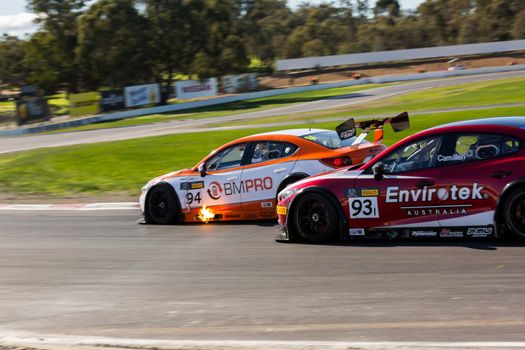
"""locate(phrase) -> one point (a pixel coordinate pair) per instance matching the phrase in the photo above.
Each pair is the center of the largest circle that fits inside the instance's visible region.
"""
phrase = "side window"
(470, 147)
(418, 155)
(268, 150)
(510, 145)
(228, 158)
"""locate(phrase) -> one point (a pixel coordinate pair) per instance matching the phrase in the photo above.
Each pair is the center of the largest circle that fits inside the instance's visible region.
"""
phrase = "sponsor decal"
(281, 210)
(370, 192)
(479, 231)
(351, 192)
(456, 157)
(112, 100)
(232, 216)
(435, 210)
(215, 190)
(423, 233)
(362, 192)
(195, 185)
(267, 214)
(446, 233)
(346, 134)
(266, 205)
(356, 232)
(31, 109)
(186, 89)
(139, 95)
(232, 84)
(454, 193)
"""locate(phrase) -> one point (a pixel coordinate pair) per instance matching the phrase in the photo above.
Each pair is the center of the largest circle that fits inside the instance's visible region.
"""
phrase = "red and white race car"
(465, 179)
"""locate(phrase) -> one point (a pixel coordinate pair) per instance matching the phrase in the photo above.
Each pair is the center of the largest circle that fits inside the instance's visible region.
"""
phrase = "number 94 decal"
(190, 198)
(363, 207)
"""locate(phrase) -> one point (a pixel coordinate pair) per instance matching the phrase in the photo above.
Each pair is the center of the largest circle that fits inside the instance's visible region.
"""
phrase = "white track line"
(79, 207)
(35, 340)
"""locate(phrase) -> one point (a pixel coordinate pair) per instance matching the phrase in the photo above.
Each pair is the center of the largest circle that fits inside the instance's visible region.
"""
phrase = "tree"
(265, 26)
(518, 27)
(114, 45)
(391, 7)
(12, 52)
(223, 51)
(44, 62)
(179, 32)
(58, 19)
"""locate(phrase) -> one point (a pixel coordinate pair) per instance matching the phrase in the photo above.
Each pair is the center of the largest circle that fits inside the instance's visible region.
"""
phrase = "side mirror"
(202, 169)
(379, 170)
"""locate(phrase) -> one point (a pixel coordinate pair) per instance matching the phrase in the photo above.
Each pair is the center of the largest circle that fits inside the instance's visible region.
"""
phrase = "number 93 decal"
(363, 207)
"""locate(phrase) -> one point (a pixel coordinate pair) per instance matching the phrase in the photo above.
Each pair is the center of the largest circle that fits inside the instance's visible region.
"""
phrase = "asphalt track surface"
(100, 274)
(20, 143)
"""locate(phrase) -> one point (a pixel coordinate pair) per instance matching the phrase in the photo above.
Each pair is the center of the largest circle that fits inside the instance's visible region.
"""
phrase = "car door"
(223, 175)
(475, 169)
(405, 196)
(267, 166)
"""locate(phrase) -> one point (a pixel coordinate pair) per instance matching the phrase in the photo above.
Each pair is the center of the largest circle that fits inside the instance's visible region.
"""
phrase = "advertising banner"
(140, 95)
(112, 100)
(232, 84)
(187, 89)
(31, 110)
(86, 103)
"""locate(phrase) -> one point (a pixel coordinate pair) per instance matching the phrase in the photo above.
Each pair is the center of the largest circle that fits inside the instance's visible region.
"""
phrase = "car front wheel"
(315, 218)
(161, 205)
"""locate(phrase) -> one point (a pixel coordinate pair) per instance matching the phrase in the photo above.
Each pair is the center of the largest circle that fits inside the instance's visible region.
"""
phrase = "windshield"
(329, 139)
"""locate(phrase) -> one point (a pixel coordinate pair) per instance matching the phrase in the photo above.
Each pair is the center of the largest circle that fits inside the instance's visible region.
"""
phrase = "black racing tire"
(514, 212)
(314, 218)
(162, 205)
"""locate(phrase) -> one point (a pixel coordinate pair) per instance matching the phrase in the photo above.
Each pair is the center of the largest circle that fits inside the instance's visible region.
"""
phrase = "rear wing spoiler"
(349, 128)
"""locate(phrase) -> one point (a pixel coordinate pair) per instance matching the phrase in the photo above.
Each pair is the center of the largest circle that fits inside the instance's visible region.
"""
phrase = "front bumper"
(282, 234)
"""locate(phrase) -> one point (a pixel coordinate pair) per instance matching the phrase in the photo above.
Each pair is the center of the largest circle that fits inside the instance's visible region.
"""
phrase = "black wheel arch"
(291, 178)
(499, 215)
(169, 187)
(343, 220)
(500, 203)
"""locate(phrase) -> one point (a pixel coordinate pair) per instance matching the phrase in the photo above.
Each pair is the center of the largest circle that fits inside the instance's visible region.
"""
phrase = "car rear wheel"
(315, 218)
(161, 205)
(514, 212)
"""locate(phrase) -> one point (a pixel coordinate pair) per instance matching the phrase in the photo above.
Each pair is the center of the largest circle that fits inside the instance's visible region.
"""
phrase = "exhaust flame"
(205, 214)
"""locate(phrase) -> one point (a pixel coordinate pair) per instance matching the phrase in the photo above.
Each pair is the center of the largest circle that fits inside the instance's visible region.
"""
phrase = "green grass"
(124, 166)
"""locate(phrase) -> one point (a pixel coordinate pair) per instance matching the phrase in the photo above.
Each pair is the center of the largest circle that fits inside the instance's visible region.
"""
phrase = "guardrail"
(249, 96)
(400, 55)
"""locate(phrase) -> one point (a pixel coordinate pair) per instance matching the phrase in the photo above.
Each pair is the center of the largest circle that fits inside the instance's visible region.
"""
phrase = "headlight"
(286, 193)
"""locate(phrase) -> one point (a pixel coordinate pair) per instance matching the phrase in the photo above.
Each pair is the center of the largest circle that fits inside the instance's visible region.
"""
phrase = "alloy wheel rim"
(159, 205)
(313, 217)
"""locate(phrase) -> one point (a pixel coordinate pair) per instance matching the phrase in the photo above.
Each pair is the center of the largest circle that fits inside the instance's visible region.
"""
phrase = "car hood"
(177, 173)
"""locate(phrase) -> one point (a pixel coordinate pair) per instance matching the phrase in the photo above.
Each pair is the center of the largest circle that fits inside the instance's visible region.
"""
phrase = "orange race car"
(241, 180)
